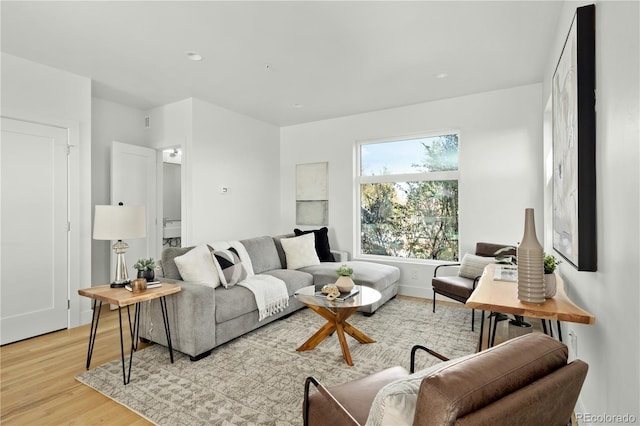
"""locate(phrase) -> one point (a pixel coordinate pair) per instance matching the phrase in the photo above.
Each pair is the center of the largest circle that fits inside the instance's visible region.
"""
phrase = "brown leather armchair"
(460, 288)
(523, 381)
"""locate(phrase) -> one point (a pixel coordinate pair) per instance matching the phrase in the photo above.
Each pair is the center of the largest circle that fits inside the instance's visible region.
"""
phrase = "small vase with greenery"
(344, 282)
(146, 268)
(550, 264)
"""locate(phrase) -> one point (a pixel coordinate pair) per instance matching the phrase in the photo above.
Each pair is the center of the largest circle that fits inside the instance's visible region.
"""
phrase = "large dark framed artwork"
(574, 143)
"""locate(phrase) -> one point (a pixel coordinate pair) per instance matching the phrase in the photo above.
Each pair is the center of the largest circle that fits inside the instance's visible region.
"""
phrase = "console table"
(502, 296)
(121, 298)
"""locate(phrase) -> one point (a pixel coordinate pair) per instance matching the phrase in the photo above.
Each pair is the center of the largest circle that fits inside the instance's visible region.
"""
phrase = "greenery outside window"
(408, 193)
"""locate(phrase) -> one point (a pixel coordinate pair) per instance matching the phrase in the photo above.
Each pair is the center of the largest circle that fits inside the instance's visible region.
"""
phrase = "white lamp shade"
(119, 223)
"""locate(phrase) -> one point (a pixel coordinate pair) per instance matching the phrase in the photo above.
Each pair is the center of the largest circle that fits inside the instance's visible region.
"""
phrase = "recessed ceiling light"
(442, 75)
(194, 56)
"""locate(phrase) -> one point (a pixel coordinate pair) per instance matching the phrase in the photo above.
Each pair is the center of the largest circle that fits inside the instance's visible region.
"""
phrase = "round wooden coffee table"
(336, 313)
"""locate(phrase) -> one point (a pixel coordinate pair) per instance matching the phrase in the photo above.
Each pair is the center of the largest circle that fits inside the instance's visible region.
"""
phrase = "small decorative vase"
(344, 283)
(530, 264)
(149, 275)
(549, 285)
(138, 285)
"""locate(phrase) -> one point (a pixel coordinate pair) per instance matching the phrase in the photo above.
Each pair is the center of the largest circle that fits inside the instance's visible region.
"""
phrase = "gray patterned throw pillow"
(229, 267)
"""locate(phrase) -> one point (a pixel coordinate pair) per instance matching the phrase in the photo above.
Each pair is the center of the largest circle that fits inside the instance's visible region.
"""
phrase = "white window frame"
(393, 178)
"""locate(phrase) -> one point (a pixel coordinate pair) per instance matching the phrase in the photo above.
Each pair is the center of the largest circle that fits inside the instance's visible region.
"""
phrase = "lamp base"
(120, 284)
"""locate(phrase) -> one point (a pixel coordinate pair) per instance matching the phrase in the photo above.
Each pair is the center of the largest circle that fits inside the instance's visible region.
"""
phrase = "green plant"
(344, 271)
(146, 265)
(550, 263)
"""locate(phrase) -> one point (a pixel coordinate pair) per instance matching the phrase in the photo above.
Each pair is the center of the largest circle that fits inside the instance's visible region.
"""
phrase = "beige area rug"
(258, 379)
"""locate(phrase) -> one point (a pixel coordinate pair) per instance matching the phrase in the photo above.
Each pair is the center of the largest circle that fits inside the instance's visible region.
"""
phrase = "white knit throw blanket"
(270, 292)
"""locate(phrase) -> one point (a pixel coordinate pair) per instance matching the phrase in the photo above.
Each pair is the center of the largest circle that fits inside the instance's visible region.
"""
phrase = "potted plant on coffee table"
(344, 282)
(146, 268)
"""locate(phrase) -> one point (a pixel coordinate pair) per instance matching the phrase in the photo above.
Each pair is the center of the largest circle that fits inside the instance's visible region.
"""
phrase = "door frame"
(77, 253)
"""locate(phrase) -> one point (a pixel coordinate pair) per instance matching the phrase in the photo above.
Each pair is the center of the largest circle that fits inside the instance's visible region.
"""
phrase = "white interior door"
(133, 183)
(34, 272)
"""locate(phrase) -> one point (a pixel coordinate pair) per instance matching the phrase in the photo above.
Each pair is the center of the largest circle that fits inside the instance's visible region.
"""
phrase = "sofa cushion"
(197, 266)
(321, 242)
(233, 302)
(263, 254)
(294, 279)
(374, 275)
(300, 251)
(230, 268)
(472, 265)
(169, 267)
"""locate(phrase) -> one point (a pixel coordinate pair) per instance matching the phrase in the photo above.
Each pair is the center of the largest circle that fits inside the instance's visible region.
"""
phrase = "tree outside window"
(409, 198)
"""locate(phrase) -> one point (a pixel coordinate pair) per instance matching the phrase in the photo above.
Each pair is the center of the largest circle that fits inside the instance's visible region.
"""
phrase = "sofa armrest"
(340, 256)
(191, 315)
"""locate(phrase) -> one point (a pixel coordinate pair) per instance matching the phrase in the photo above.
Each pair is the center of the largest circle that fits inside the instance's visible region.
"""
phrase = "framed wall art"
(574, 143)
(312, 198)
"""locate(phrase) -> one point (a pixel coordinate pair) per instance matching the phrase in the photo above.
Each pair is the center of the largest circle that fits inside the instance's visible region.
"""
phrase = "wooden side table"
(122, 297)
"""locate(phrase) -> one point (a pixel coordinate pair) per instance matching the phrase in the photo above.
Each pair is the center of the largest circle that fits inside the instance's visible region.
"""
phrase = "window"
(408, 192)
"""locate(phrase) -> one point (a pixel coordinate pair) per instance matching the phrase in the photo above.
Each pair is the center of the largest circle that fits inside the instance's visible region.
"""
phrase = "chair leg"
(434, 301)
(473, 318)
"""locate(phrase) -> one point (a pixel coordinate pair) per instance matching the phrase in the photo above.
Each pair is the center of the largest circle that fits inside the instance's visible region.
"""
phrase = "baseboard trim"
(421, 292)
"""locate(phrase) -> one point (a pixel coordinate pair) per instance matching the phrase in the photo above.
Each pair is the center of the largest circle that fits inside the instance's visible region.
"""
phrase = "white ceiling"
(287, 62)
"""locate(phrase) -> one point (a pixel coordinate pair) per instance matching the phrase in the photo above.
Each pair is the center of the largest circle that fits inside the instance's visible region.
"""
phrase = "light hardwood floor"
(38, 376)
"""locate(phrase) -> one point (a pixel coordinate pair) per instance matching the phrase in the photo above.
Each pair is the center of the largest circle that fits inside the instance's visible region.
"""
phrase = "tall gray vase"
(530, 263)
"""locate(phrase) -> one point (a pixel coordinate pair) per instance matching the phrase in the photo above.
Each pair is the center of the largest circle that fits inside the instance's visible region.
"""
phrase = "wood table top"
(502, 296)
(123, 297)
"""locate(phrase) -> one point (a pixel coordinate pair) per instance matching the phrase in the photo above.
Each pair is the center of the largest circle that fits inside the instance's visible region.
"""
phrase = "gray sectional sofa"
(203, 317)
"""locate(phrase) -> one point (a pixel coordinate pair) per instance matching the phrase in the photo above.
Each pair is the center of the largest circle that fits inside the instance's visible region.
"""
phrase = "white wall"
(110, 122)
(232, 150)
(32, 91)
(221, 148)
(500, 166)
(611, 345)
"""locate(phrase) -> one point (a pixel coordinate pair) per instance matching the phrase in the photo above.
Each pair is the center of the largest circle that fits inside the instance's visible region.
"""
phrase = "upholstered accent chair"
(459, 287)
(523, 381)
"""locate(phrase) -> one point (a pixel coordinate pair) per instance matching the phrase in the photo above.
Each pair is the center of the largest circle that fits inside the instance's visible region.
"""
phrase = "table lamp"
(119, 223)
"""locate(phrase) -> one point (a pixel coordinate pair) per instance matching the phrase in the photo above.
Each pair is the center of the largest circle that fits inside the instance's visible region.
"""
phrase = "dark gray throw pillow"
(322, 243)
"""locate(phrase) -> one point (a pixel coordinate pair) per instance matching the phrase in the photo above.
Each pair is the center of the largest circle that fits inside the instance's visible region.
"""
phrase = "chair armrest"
(475, 281)
(348, 418)
(415, 348)
(435, 272)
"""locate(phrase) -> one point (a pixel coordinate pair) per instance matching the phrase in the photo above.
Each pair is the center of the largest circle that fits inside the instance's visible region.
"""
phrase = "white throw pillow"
(473, 265)
(395, 403)
(197, 266)
(300, 251)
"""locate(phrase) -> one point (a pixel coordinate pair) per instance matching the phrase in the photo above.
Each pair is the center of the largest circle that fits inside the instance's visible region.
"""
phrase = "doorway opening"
(172, 197)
